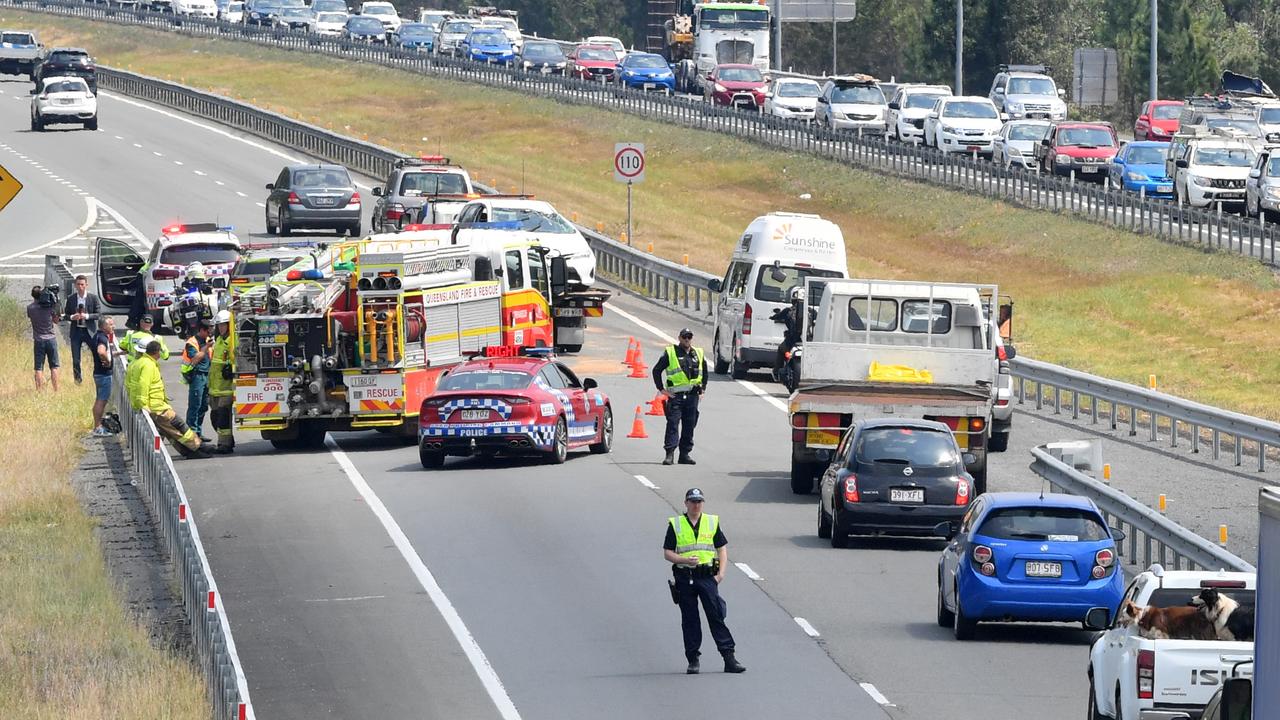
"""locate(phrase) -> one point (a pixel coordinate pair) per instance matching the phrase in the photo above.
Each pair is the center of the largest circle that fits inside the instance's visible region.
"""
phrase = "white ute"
(1136, 678)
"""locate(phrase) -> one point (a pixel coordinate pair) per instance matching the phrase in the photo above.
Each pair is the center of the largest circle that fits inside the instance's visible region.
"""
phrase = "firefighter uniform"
(146, 392)
(222, 385)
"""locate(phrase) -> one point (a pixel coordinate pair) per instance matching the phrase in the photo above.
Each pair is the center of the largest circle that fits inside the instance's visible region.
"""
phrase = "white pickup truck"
(1135, 678)
(864, 336)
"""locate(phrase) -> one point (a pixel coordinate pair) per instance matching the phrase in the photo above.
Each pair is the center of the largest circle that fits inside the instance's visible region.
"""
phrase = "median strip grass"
(1095, 299)
(68, 648)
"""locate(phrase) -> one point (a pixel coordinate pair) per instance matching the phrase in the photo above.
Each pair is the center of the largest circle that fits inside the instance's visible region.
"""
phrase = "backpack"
(111, 422)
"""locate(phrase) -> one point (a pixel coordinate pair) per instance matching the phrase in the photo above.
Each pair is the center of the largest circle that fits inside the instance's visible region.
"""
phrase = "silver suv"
(1027, 91)
(1262, 189)
(417, 182)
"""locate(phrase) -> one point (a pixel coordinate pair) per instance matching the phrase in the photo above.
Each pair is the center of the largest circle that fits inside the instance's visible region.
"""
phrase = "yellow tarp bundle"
(898, 373)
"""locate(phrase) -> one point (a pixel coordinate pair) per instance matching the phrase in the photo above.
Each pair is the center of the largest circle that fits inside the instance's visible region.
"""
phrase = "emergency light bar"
(295, 244)
(180, 228)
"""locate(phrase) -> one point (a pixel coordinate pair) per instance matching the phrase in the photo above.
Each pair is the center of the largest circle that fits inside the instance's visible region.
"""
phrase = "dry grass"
(1099, 300)
(68, 650)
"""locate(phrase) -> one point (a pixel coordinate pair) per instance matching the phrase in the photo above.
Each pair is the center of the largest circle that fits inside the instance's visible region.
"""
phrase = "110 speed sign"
(628, 162)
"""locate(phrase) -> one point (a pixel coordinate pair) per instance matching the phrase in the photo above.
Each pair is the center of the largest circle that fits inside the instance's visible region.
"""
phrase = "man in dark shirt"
(696, 548)
(681, 376)
(44, 337)
(104, 360)
(82, 312)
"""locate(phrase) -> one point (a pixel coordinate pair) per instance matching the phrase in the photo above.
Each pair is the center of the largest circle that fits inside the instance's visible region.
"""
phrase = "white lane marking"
(218, 182)
(488, 676)
(90, 214)
(178, 162)
(137, 145)
(22, 265)
(346, 599)
(645, 482)
(757, 390)
(876, 694)
(157, 154)
(119, 138)
(201, 173)
(806, 627)
(658, 333)
(261, 205)
(241, 194)
(746, 570)
(122, 222)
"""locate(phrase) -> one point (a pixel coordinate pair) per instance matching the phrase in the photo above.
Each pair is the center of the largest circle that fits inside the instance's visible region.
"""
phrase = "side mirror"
(1255, 174)
(999, 91)
(1062, 92)
(559, 276)
(822, 100)
(1098, 618)
(1180, 163)
(894, 106)
(1045, 142)
(1117, 534)
(1004, 117)
(271, 186)
(220, 283)
(377, 191)
(590, 384)
(933, 116)
(715, 285)
(777, 274)
(1010, 352)
(969, 458)
(1144, 117)
(945, 529)
(1237, 697)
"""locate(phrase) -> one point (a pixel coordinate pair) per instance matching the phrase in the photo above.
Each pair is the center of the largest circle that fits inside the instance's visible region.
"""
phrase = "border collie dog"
(1230, 621)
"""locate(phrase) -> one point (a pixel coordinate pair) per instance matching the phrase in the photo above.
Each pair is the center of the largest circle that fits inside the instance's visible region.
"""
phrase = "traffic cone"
(637, 426)
(630, 358)
(639, 369)
(658, 405)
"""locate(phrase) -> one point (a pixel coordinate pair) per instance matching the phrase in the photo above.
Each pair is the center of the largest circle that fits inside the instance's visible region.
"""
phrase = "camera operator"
(43, 314)
(82, 311)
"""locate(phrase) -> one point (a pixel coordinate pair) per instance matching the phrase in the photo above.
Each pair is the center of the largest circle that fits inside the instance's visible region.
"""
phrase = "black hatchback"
(68, 62)
(893, 477)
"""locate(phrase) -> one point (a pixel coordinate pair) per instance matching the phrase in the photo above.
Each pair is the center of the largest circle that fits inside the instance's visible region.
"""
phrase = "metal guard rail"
(1175, 547)
(1054, 380)
(1162, 219)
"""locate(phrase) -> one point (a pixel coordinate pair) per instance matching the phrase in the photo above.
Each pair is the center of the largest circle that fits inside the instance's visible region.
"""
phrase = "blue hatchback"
(488, 45)
(415, 36)
(1027, 557)
(646, 71)
(1140, 166)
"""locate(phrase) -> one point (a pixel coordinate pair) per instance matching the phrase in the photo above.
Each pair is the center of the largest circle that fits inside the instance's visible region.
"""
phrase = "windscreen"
(1028, 131)
(1148, 155)
(907, 446)
(736, 19)
(364, 23)
(922, 101)
(646, 61)
(1044, 523)
(331, 17)
(969, 109)
(1270, 115)
(1085, 137)
(337, 6)
(205, 253)
(532, 220)
(799, 90)
(457, 26)
(1031, 86)
(67, 58)
(542, 51)
(377, 10)
(318, 178)
(1166, 112)
(414, 30)
(734, 74)
(860, 94)
(1248, 127)
(1178, 597)
(485, 380)
(64, 86)
(1224, 157)
(423, 183)
(1273, 167)
(597, 54)
(13, 38)
(779, 291)
(488, 37)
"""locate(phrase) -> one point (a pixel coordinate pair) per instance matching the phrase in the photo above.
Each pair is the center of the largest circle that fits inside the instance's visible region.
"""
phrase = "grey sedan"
(313, 196)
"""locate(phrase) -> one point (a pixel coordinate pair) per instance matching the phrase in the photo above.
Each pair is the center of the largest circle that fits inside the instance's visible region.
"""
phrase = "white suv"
(1027, 91)
(64, 100)
(383, 12)
(1213, 170)
(910, 107)
(853, 103)
(965, 124)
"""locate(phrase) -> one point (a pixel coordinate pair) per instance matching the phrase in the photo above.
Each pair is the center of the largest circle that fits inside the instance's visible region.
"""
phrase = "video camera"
(49, 296)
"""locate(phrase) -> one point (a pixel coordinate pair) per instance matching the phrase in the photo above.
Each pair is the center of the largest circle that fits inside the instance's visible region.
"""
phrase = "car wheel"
(963, 628)
(91, 124)
(802, 474)
(282, 223)
(271, 228)
(430, 459)
(839, 534)
(946, 618)
(559, 443)
(1117, 706)
(998, 442)
(606, 433)
(824, 522)
(1092, 712)
(37, 124)
(574, 348)
(737, 369)
(354, 230)
(720, 365)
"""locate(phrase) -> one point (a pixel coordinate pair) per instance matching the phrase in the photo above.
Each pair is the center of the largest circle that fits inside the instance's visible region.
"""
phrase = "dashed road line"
(876, 694)
(746, 570)
(808, 629)
(645, 482)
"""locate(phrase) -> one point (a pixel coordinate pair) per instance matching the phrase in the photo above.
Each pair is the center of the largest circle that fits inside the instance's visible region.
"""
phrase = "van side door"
(729, 311)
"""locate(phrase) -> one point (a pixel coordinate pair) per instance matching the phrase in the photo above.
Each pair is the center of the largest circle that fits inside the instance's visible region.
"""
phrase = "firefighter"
(221, 384)
(146, 392)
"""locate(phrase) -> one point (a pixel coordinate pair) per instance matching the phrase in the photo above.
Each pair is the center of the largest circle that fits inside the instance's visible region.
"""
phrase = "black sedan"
(893, 477)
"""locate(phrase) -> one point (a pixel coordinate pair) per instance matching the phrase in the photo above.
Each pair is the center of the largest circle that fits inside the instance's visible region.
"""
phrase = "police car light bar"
(180, 228)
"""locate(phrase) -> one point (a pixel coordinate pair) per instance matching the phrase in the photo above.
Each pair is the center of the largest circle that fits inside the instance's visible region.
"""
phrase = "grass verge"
(1095, 299)
(68, 649)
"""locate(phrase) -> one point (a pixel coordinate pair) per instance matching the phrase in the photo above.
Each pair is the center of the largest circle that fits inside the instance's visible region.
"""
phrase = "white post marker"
(628, 167)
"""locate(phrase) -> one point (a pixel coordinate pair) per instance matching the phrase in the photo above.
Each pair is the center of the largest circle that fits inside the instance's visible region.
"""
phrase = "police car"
(513, 401)
(117, 263)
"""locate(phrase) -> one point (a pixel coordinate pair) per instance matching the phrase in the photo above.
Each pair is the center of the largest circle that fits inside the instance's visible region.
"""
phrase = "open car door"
(116, 264)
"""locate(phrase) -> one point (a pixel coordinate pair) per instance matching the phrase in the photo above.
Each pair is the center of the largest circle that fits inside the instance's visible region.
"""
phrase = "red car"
(512, 403)
(735, 85)
(592, 62)
(1083, 148)
(1158, 120)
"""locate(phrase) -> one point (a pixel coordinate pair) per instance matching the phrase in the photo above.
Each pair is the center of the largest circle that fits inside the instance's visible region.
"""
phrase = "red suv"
(593, 62)
(1158, 120)
(736, 85)
(1085, 148)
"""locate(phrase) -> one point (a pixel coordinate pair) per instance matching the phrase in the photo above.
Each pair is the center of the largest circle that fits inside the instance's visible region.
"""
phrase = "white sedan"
(329, 24)
(64, 100)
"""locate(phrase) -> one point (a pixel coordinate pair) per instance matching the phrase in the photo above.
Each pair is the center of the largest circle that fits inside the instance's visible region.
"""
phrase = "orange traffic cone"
(637, 426)
(658, 405)
(639, 370)
(630, 358)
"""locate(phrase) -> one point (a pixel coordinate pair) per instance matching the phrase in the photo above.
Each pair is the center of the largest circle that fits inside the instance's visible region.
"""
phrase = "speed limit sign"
(628, 162)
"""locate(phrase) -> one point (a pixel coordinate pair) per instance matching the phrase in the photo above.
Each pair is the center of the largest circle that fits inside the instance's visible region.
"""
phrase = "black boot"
(693, 668)
(685, 459)
(670, 458)
(731, 664)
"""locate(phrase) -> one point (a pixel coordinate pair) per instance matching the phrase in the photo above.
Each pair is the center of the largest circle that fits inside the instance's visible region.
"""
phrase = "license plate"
(475, 414)
(973, 148)
(1039, 568)
(1230, 196)
(66, 101)
(649, 86)
(906, 495)
(1089, 168)
(1164, 188)
(325, 201)
(569, 312)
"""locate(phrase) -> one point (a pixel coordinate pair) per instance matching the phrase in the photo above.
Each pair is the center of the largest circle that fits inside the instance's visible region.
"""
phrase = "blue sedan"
(646, 71)
(1027, 557)
(415, 36)
(487, 45)
(1139, 167)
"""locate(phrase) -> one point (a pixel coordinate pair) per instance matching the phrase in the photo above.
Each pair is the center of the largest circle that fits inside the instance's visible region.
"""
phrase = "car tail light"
(799, 420)
(851, 488)
(293, 199)
(164, 274)
(1000, 353)
(1104, 558)
(982, 554)
(1146, 669)
(355, 199)
(987, 569)
(962, 492)
(977, 424)
(746, 319)
(393, 212)
(516, 400)
(1238, 584)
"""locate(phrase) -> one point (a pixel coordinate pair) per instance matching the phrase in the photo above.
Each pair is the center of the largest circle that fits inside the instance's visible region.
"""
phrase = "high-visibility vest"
(193, 347)
(220, 358)
(676, 380)
(135, 343)
(701, 546)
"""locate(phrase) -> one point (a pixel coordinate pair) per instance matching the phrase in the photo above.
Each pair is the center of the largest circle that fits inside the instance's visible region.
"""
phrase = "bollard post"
(599, 227)
(574, 217)
(1222, 535)
(1151, 381)
(649, 248)
(686, 259)
(1106, 472)
(1164, 503)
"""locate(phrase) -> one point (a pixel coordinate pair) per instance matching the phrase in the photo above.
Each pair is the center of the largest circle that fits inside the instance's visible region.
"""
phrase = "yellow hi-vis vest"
(701, 546)
(676, 380)
(220, 358)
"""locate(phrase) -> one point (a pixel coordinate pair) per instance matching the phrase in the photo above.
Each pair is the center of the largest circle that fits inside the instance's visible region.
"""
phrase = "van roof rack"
(423, 160)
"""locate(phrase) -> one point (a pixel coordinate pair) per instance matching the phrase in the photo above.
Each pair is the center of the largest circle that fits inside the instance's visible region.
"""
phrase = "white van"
(776, 253)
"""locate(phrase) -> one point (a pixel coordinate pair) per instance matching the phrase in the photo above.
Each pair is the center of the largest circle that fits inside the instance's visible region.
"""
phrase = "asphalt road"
(359, 585)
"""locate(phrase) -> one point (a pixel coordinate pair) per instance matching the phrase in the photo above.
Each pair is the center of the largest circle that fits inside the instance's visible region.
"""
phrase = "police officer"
(195, 372)
(681, 375)
(135, 342)
(695, 547)
(221, 386)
